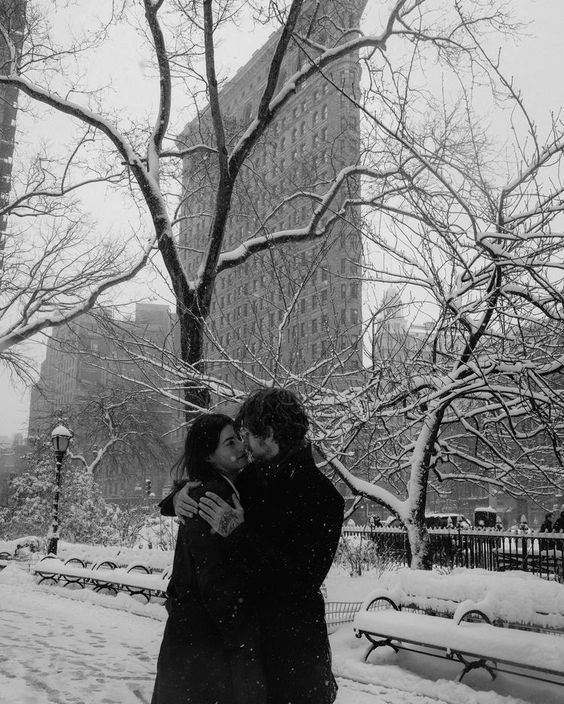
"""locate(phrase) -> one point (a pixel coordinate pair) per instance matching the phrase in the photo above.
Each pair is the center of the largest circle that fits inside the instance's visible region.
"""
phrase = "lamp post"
(60, 437)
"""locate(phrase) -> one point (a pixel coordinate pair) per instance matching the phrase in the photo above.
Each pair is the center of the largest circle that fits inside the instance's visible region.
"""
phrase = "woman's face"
(229, 457)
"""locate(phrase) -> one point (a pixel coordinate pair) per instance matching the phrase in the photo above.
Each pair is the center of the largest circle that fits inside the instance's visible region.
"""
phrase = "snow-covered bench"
(136, 579)
(475, 642)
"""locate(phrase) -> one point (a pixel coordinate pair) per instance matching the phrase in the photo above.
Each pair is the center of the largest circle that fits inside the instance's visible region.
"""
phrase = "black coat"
(293, 520)
(210, 648)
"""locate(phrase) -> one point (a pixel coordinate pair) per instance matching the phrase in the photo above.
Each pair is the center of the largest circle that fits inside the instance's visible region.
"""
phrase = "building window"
(314, 350)
(324, 275)
(313, 326)
(354, 290)
(314, 301)
(354, 316)
(315, 118)
(343, 290)
(302, 306)
(324, 297)
(324, 112)
(302, 329)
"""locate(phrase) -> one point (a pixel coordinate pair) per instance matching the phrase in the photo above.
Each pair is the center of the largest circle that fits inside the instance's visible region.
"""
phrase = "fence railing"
(539, 553)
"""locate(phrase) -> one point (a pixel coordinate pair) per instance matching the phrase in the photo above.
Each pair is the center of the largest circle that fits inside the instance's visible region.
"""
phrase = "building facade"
(289, 310)
(91, 372)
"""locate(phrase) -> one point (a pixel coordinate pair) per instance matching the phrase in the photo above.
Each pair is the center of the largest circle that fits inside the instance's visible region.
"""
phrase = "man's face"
(259, 449)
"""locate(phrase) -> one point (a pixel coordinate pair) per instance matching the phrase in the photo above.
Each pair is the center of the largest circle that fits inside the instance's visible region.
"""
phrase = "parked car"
(437, 520)
(447, 520)
(485, 517)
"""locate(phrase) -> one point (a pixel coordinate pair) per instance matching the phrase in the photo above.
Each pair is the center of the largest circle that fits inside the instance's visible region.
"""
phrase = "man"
(546, 525)
(558, 526)
(284, 537)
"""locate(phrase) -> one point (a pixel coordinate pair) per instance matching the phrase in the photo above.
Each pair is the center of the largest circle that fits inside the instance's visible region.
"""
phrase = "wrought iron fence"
(539, 553)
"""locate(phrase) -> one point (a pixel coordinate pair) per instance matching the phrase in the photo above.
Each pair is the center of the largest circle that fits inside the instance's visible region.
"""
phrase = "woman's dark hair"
(202, 439)
(278, 409)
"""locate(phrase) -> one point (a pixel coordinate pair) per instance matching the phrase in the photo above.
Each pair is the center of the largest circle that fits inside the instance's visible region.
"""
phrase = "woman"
(210, 652)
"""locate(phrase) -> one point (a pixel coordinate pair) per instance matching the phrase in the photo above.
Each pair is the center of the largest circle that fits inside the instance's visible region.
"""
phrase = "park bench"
(136, 579)
(337, 613)
(468, 635)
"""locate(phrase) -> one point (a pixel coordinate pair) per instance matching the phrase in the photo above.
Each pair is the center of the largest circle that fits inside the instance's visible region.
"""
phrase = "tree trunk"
(191, 319)
(420, 546)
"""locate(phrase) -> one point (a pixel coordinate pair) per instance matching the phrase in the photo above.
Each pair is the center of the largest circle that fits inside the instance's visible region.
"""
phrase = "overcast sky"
(535, 61)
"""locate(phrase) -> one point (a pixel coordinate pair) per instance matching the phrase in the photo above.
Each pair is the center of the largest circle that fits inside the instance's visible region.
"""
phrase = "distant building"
(395, 339)
(294, 305)
(12, 452)
(12, 16)
(92, 357)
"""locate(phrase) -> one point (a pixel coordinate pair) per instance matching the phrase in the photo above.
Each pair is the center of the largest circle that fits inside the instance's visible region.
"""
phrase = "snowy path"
(56, 648)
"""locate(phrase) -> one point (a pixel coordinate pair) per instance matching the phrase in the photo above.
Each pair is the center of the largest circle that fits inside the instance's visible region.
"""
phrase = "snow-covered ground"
(63, 646)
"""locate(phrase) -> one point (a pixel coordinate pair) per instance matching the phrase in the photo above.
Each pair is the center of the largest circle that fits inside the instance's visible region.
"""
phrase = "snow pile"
(31, 543)
(122, 556)
(533, 600)
(15, 575)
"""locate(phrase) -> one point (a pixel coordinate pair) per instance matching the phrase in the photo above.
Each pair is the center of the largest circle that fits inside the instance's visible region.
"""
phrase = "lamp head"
(60, 437)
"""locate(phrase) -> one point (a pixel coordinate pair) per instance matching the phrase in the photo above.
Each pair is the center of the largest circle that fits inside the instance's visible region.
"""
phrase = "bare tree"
(52, 268)
(426, 185)
(182, 39)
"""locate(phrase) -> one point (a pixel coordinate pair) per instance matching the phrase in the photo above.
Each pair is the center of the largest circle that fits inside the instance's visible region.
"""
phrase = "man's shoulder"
(320, 484)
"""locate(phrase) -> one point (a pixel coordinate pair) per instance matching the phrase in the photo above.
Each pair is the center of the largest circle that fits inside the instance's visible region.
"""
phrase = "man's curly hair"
(278, 409)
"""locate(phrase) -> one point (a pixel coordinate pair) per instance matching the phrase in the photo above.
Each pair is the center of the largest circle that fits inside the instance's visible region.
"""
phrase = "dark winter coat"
(293, 519)
(558, 526)
(210, 648)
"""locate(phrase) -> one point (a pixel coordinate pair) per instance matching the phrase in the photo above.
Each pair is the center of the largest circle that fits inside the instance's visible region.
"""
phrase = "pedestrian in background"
(559, 524)
(546, 525)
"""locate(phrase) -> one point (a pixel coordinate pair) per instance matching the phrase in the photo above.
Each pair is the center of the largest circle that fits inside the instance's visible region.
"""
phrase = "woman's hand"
(222, 517)
(184, 504)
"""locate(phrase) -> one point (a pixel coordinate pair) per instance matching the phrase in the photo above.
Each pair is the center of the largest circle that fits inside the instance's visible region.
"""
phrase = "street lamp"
(60, 437)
